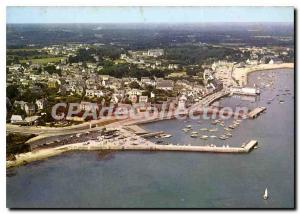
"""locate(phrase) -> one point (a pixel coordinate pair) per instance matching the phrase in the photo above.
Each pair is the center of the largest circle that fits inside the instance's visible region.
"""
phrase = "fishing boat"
(266, 196)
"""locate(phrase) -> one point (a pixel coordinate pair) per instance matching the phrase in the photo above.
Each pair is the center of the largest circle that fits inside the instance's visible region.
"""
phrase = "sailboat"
(266, 194)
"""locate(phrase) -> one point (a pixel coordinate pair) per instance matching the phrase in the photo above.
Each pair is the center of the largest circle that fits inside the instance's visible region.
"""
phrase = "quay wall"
(25, 158)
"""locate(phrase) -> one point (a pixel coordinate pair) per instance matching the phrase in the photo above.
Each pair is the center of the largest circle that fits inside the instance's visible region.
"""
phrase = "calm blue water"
(176, 179)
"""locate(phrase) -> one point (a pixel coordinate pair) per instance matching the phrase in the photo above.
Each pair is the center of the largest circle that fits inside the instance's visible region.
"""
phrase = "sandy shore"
(241, 74)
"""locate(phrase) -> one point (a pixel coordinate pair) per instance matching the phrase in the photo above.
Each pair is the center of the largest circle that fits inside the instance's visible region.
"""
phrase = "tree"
(135, 84)
(12, 91)
(52, 69)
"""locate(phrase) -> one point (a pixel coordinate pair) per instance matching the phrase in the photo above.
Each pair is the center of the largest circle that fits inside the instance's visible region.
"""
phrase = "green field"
(42, 60)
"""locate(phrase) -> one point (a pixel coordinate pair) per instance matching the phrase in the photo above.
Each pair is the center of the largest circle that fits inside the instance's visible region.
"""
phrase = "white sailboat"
(266, 194)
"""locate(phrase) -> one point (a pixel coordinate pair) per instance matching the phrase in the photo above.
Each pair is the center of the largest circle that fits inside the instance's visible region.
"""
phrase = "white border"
(5, 3)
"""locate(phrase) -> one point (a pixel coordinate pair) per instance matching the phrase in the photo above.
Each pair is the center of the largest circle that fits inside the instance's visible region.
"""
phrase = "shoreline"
(242, 74)
(25, 158)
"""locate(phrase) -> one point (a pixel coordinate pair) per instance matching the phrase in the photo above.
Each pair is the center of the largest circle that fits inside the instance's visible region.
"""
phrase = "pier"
(136, 129)
(249, 146)
(255, 112)
(151, 134)
(132, 145)
(187, 148)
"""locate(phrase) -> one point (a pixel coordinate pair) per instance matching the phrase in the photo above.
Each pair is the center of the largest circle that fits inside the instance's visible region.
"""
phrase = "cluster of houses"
(76, 79)
(265, 55)
(148, 59)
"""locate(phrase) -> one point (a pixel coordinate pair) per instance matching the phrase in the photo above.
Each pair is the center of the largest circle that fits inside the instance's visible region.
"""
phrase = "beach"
(241, 74)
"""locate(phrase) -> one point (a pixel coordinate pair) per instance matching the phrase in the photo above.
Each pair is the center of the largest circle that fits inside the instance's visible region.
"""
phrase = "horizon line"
(209, 22)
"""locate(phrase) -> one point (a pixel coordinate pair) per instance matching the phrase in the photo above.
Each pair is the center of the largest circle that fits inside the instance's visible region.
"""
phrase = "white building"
(155, 52)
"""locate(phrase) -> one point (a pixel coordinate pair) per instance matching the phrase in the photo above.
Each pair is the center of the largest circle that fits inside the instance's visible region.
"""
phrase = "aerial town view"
(150, 107)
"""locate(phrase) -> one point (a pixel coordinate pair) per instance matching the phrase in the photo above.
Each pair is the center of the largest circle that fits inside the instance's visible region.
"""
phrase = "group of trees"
(15, 143)
(190, 54)
(87, 54)
(51, 69)
(14, 56)
(127, 70)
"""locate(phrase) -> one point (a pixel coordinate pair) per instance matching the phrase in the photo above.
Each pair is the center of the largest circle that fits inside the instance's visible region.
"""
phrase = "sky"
(148, 14)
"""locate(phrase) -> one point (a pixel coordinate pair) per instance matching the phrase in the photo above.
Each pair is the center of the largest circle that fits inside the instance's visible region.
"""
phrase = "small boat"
(165, 135)
(243, 145)
(204, 137)
(185, 130)
(203, 129)
(266, 196)
(227, 129)
(228, 134)
(213, 130)
(214, 123)
(194, 135)
(223, 137)
(194, 132)
(213, 136)
(281, 101)
(232, 126)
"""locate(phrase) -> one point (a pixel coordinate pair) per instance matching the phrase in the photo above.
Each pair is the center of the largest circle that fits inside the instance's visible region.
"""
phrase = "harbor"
(236, 170)
(119, 140)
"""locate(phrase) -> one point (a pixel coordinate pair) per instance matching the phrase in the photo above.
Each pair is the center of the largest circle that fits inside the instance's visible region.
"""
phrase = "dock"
(249, 146)
(132, 145)
(255, 112)
(151, 134)
(136, 129)
(171, 147)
